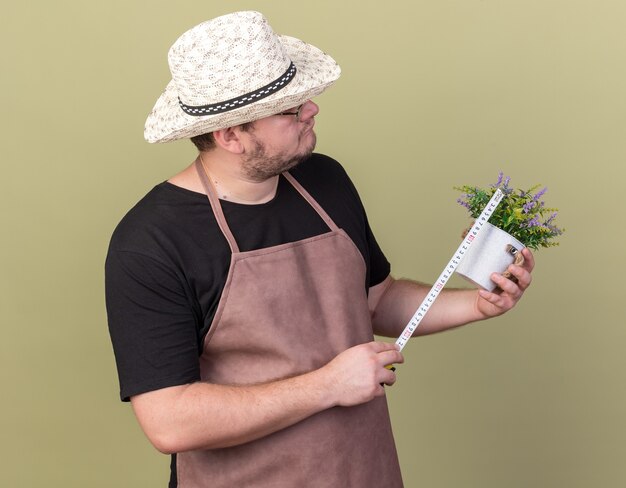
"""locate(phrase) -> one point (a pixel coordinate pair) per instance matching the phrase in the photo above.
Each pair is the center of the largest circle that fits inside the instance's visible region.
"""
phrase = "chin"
(311, 145)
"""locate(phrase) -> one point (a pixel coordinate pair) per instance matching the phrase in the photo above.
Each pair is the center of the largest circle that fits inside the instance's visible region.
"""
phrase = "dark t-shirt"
(168, 262)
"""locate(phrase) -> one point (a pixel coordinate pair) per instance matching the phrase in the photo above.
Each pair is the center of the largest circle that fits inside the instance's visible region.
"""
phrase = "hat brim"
(316, 71)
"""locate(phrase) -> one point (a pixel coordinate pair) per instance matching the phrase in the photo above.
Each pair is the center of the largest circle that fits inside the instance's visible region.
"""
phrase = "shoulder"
(319, 166)
(328, 183)
(323, 174)
(134, 226)
(154, 217)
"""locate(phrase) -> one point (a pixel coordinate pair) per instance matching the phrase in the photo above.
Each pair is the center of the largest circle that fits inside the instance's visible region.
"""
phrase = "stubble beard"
(259, 166)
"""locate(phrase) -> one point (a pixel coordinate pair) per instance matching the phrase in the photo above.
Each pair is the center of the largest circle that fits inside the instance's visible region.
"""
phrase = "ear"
(229, 139)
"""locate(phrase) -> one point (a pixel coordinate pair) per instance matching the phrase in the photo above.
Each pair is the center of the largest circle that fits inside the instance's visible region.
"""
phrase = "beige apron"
(284, 311)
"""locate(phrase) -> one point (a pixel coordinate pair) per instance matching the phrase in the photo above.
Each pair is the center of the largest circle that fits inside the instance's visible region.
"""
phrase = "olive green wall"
(433, 94)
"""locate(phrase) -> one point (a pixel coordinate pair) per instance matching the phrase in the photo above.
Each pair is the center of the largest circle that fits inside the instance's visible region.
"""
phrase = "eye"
(295, 112)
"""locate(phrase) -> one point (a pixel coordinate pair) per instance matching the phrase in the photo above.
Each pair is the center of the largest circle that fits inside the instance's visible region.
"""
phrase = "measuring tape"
(448, 270)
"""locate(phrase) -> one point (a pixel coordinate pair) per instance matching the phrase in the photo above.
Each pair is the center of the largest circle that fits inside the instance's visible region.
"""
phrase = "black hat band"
(242, 101)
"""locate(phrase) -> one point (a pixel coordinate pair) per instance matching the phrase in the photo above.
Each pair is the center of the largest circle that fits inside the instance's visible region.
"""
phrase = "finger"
(529, 259)
(522, 276)
(502, 302)
(390, 357)
(506, 285)
(387, 376)
(380, 346)
(493, 298)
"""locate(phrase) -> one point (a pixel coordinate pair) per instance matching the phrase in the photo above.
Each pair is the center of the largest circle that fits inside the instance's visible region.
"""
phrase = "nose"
(309, 110)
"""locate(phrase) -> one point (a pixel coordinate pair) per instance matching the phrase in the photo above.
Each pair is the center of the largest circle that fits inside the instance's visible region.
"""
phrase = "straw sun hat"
(231, 70)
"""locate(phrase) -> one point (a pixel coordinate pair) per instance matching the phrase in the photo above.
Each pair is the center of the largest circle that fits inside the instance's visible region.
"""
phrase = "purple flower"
(550, 219)
(528, 206)
(503, 185)
(539, 195)
(554, 230)
(499, 182)
(532, 223)
(463, 203)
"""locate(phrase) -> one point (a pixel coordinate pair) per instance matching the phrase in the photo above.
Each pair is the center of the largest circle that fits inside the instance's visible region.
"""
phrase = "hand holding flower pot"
(521, 219)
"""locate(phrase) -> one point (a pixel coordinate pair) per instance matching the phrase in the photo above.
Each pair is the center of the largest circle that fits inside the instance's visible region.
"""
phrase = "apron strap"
(316, 206)
(215, 205)
(219, 213)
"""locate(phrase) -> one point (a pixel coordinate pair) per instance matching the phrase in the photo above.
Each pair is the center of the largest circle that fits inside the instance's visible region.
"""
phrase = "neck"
(231, 184)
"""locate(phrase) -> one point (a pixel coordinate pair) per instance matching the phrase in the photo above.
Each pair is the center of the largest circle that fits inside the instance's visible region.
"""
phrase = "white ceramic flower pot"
(491, 252)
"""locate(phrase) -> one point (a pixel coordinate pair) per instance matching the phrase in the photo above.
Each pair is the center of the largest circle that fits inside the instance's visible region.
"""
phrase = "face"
(280, 142)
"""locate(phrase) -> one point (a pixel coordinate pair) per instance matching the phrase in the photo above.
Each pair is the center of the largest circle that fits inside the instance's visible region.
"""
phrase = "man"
(243, 297)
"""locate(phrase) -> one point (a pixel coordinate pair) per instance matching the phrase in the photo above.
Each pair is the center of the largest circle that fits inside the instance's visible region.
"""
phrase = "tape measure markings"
(447, 272)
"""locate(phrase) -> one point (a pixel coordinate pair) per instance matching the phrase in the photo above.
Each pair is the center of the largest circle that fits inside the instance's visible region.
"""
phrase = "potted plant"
(520, 220)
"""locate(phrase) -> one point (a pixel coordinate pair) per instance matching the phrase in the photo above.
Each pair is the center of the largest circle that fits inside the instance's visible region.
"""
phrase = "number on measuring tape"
(440, 283)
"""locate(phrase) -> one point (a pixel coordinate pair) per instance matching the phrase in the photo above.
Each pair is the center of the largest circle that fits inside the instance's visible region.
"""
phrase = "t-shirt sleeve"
(151, 324)
(379, 266)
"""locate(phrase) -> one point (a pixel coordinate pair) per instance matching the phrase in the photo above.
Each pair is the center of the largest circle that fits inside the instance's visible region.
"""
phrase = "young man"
(244, 292)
